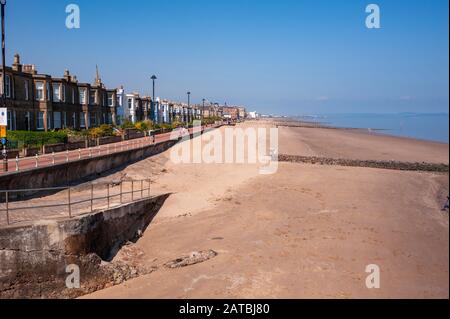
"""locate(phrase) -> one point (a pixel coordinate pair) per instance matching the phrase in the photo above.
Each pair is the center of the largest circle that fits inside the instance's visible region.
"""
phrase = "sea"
(430, 127)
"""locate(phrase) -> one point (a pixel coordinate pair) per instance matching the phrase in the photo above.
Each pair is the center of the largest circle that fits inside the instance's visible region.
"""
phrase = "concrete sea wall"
(65, 173)
(34, 256)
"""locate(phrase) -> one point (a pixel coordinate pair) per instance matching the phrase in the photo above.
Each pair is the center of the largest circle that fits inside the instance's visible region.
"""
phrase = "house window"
(57, 119)
(82, 120)
(49, 120)
(92, 119)
(9, 119)
(40, 91)
(73, 96)
(28, 121)
(40, 121)
(74, 120)
(48, 91)
(27, 93)
(64, 93)
(92, 99)
(110, 99)
(56, 92)
(130, 103)
(64, 119)
(8, 86)
(83, 96)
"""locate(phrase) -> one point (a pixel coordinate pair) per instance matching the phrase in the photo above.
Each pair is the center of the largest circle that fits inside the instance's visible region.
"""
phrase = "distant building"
(230, 112)
(242, 114)
(252, 115)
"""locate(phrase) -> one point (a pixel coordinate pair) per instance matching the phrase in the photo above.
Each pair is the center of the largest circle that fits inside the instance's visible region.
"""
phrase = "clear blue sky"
(287, 57)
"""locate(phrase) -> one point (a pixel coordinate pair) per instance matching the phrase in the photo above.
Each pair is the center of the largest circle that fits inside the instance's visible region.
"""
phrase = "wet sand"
(305, 232)
(359, 144)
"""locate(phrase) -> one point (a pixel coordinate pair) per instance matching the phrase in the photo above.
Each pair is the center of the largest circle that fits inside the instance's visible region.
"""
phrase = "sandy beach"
(308, 231)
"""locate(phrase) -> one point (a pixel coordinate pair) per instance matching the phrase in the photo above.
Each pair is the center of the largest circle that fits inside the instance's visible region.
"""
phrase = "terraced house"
(41, 102)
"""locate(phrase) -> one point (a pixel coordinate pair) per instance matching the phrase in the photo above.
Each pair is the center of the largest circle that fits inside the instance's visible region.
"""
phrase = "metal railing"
(87, 199)
(44, 160)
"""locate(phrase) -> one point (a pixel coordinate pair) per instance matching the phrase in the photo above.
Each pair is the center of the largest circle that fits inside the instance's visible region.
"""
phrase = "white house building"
(131, 107)
(120, 109)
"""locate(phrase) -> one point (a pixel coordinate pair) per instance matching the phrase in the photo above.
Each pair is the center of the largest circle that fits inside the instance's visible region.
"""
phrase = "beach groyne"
(394, 165)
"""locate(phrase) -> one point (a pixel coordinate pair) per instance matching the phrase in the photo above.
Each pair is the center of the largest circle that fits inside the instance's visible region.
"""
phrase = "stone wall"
(61, 147)
(109, 140)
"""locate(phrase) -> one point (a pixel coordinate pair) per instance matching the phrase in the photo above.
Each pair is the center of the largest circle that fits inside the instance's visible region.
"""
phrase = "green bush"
(37, 139)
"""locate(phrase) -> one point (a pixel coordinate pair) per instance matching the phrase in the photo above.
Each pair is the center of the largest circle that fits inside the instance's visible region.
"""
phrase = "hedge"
(36, 139)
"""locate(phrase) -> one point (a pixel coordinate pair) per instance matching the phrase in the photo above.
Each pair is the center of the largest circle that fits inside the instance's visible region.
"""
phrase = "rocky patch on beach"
(395, 165)
(191, 259)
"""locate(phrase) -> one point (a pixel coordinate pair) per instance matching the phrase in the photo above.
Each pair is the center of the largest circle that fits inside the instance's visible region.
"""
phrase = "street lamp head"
(153, 77)
(2, 2)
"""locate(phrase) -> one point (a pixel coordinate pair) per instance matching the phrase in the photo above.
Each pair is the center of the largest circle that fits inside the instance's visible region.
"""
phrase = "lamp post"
(203, 109)
(5, 149)
(153, 97)
(189, 105)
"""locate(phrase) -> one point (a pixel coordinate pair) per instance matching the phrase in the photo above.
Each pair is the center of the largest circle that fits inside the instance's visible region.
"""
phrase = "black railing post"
(92, 197)
(7, 207)
(108, 194)
(121, 201)
(70, 210)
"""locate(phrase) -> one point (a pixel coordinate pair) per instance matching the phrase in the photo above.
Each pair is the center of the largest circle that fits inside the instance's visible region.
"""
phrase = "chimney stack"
(16, 65)
(67, 75)
(30, 68)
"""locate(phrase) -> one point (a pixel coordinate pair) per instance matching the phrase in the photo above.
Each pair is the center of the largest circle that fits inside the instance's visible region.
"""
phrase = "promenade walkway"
(27, 163)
